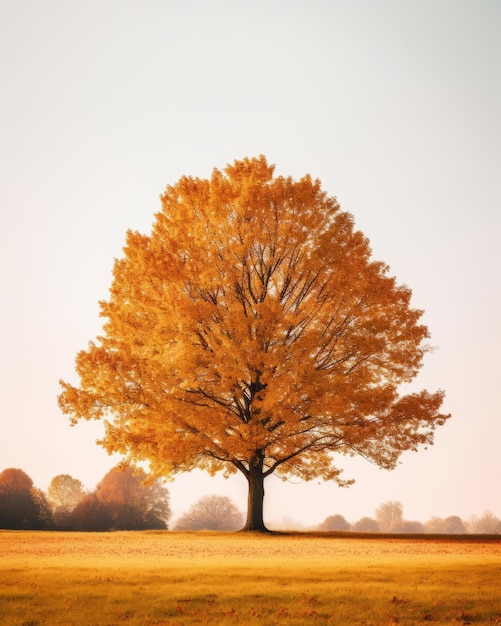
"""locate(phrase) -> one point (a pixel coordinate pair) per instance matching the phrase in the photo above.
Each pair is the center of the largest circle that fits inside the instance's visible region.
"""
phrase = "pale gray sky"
(394, 104)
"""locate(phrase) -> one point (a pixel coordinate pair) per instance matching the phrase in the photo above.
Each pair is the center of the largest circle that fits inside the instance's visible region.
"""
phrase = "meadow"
(167, 578)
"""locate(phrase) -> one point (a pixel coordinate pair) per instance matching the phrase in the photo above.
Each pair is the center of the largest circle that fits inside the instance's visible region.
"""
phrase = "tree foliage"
(252, 332)
(366, 525)
(22, 506)
(122, 501)
(335, 523)
(410, 527)
(65, 492)
(452, 525)
(486, 524)
(91, 514)
(211, 512)
(389, 516)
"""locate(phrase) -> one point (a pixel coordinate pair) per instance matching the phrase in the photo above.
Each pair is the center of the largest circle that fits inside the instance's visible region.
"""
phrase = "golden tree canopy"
(252, 331)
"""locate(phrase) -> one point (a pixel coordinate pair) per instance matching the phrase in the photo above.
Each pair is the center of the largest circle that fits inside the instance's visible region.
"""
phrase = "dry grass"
(164, 578)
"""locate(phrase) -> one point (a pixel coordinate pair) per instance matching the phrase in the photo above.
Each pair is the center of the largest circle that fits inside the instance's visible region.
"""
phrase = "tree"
(389, 516)
(452, 525)
(123, 500)
(486, 524)
(90, 514)
(22, 506)
(211, 512)
(334, 522)
(64, 493)
(133, 504)
(366, 525)
(251, 332)
(409, 527)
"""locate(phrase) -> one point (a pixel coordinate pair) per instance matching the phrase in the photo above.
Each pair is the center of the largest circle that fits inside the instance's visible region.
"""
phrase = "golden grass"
(165, 578)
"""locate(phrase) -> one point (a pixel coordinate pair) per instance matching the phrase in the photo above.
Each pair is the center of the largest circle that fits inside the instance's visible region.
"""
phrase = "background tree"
(410, 527)
(123, 500)
(211, 512)
(452, 525)
(486, 524)
(22, 506)
(63, 494)
(252, 332)
(366, 525)
(134, 505)
(90, 514)
(389, 516)
(334, 522)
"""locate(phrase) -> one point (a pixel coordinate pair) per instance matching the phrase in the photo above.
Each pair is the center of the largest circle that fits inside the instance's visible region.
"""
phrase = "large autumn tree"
(252, 332)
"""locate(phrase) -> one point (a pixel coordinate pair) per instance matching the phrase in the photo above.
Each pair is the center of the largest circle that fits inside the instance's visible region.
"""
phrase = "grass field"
(165, 578)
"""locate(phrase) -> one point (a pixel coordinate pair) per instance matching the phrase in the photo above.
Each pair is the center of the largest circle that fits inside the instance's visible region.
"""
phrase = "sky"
(393, 104)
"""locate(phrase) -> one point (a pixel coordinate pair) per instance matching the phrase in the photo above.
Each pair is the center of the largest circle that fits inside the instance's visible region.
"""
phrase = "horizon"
(394, 107)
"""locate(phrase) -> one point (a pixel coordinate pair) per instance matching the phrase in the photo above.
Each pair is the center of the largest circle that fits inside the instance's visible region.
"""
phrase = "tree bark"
(255, 479)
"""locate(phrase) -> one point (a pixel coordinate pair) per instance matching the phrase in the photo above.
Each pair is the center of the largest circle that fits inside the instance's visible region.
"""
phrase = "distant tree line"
(123, 500)
(127, 499)
(389, 519)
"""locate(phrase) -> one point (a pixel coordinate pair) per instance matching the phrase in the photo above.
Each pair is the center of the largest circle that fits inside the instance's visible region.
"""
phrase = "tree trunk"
(255, 499)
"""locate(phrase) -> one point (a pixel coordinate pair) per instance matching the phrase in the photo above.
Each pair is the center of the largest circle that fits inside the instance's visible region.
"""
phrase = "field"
(166, 578)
